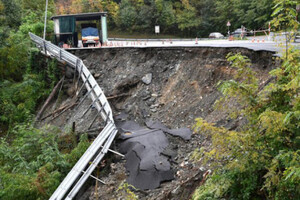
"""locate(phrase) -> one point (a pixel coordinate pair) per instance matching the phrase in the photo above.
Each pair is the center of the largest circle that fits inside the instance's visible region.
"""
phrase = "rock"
(92, 71)
(146, 98)
(145, 93)
(154, 106)
(152, 99)
(97, 75)
(153, 110)
(71, 91)
(147, 79)
(182, 164)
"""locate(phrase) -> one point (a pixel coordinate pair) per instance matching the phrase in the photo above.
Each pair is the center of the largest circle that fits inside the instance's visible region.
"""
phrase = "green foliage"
(189, 18)
(24, 82)
(125, 189)
(285, 15)
(11, 15)
(32, 161)
(263, 159)
(18, 101)
(244, 88)
(127, 15)
(14, 56)
(32, 166)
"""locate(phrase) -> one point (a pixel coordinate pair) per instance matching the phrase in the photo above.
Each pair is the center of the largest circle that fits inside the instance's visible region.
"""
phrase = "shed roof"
(83, 16)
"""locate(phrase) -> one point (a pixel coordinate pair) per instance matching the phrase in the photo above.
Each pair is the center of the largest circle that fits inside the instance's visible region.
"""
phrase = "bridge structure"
(75, 179)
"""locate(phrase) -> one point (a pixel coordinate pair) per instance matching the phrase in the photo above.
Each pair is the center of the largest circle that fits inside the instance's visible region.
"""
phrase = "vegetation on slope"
(261, 161)
(32, 161)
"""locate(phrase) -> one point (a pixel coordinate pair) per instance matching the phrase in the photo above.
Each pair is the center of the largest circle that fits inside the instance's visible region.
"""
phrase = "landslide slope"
(171, 85)
(183, 84)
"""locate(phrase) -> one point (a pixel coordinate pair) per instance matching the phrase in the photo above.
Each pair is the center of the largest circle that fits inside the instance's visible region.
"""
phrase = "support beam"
(91, 105)
(87, 94)
(97, 115)
(104, 29)
(87, 78)
(115, 152)
(81, 67)
(45, 23)
(76, 64)
(107, 117)
(94, 177)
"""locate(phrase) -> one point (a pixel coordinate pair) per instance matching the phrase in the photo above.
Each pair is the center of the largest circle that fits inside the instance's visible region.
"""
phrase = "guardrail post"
(90, 106)
(87, 78)
(60, 54)
(86, 95)
(45, 47)
(75, 70)
(80, 72)
(102, 108)
(107, 117)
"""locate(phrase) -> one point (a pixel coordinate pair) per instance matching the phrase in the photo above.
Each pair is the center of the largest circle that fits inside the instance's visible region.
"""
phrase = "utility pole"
(45, 24)
(285, 30)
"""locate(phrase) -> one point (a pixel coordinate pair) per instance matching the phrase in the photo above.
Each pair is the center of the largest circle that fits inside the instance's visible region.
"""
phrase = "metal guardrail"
(160, 39)
(96, 151)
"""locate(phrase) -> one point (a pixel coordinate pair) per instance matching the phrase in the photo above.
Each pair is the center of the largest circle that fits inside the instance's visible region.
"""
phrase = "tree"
(285, 18)
(258, 14)
(11, 13)
(127, 15)
(187, 18)
(206, 11)
(164, 15)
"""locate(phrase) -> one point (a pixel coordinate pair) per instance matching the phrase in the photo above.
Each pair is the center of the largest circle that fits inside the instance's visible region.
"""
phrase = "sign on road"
(157, 29)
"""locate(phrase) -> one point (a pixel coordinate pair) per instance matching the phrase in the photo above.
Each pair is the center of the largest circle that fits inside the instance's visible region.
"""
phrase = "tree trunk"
(40, 113)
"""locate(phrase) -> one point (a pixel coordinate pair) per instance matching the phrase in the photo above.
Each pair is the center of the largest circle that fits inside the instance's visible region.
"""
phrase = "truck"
(90, 35)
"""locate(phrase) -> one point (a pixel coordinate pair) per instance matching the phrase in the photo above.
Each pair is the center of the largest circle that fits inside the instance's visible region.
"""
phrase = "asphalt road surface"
(261, 43)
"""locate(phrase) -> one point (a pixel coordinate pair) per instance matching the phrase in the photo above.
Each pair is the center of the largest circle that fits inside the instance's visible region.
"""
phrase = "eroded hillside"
(171, 85)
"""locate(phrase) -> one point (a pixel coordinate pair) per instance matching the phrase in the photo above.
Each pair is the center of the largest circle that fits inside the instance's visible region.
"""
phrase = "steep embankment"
(183, 83)
(171, 85)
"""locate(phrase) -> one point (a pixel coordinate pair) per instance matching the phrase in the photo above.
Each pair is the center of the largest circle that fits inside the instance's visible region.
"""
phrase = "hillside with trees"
(189, 18)
(32, 161)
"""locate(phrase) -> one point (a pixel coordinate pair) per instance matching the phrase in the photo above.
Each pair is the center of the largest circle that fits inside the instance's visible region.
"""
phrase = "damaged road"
(144, 148)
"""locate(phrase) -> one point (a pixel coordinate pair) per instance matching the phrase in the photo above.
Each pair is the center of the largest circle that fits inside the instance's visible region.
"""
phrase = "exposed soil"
(171, 85)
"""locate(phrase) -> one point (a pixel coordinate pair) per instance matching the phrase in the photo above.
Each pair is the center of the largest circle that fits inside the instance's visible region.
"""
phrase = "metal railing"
(96, 151)
(159, 39)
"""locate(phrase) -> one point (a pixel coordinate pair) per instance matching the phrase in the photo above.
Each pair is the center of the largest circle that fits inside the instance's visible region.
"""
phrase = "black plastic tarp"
(144, 148)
